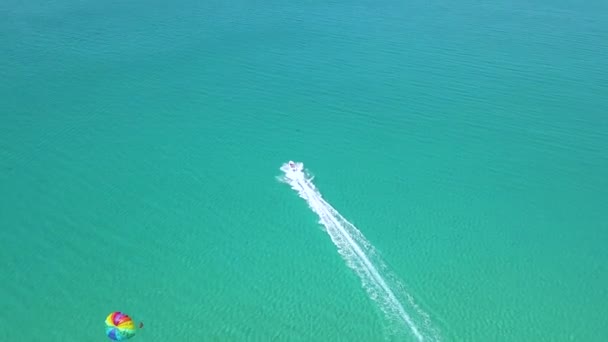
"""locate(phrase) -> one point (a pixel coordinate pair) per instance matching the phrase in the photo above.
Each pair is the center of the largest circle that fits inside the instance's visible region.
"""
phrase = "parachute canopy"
(119, 326)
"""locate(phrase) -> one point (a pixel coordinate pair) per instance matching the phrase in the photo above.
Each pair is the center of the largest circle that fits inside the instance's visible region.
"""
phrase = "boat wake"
(398, 306)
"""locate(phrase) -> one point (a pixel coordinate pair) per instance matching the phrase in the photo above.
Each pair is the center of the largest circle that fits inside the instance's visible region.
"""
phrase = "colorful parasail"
(120, 326)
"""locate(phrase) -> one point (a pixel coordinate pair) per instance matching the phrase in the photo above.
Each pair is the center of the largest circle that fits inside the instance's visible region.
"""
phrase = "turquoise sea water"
(140, 144)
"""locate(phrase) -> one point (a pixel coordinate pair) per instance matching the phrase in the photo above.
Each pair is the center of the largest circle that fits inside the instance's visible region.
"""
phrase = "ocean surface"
(141, 144)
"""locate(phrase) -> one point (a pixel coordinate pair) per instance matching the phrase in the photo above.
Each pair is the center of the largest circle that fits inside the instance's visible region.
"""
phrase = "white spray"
(358, 252)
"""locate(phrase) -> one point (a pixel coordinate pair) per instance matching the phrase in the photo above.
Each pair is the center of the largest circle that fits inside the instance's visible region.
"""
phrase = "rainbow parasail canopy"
(119, 326)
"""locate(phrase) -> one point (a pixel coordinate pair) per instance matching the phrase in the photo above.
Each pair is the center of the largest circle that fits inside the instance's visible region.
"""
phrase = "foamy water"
(358, 252)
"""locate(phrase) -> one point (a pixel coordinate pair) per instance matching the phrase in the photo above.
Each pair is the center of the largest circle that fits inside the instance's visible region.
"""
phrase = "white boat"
(295, 166)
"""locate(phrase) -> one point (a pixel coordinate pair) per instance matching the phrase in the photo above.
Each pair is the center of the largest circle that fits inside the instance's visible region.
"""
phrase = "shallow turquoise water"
(139, 145)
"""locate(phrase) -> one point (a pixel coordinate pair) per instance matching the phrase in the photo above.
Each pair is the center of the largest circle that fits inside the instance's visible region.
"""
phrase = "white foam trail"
(358, 254)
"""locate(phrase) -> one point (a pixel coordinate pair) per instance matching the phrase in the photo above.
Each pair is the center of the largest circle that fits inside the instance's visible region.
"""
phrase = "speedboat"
(295, 167)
